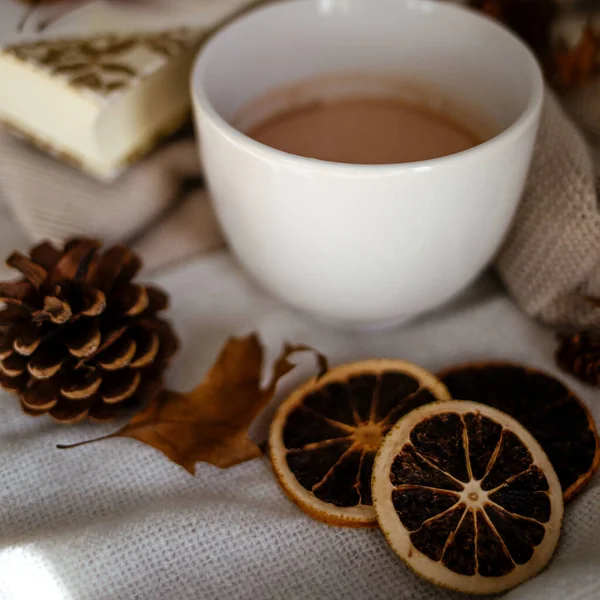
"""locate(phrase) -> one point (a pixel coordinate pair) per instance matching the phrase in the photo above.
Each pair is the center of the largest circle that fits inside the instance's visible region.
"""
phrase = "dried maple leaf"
(210, 423)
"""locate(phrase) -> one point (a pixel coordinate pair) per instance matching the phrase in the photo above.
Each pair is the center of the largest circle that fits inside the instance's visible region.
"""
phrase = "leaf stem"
(129, 429)
(85, 442)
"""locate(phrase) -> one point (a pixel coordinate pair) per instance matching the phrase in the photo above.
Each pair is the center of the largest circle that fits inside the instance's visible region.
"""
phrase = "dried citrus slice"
(555, 416)
(323, 438)
(466, 497)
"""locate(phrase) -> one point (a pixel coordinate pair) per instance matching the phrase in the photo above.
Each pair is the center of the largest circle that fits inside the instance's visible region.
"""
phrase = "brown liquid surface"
(364, 131)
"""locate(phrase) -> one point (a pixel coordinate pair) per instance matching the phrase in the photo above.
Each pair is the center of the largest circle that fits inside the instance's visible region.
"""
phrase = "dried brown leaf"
(210, 423)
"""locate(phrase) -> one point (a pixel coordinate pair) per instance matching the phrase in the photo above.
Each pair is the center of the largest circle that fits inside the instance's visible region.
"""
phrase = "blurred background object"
(565, 35)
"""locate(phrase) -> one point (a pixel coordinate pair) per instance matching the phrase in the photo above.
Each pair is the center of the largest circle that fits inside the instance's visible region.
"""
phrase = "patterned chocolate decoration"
(105, 64)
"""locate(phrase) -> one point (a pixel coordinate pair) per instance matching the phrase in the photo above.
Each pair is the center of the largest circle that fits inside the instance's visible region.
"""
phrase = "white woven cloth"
(119, 521)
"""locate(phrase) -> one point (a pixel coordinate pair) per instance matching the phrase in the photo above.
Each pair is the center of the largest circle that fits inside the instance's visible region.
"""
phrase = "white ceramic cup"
(366, 245)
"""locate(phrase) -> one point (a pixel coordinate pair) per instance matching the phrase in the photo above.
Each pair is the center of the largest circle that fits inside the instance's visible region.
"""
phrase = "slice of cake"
(101, 100)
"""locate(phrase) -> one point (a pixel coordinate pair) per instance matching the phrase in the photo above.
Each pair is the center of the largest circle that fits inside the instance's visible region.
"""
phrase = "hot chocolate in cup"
(366, 245)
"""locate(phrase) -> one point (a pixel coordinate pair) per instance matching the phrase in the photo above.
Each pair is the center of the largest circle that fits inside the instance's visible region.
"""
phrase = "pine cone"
(77, 338)
(579, 354)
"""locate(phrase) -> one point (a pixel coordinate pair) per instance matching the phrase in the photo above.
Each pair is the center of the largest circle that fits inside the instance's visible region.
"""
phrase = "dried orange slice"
(324, 437)
(555, 416)
(466, 497)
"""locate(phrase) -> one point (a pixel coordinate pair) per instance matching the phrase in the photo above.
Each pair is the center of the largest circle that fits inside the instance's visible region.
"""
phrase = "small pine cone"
(78, 339)
(579, 354)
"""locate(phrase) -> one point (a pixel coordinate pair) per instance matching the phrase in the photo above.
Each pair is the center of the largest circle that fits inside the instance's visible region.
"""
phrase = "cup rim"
(528, 114)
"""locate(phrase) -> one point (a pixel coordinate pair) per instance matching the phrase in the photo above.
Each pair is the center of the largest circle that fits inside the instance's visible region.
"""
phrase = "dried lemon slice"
(467, 498)
(555, 416)
(324, 437)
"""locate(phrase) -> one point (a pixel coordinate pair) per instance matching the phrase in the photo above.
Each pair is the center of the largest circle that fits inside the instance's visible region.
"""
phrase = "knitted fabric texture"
(117, 520)
(551, 257)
